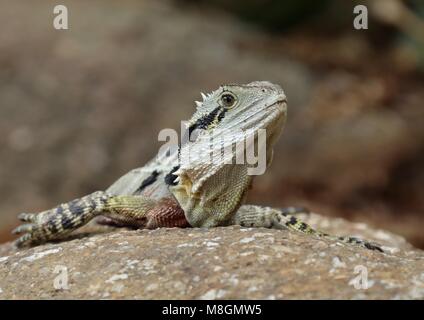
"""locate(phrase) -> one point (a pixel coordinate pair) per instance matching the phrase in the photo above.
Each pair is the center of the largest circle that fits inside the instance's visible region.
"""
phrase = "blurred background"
(80, 107)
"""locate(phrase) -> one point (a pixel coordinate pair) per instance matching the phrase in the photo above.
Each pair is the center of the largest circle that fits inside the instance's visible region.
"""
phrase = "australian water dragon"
(167, 192)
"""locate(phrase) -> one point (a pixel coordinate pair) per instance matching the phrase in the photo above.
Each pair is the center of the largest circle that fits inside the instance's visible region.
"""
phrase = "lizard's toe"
(373, 246)
(28, 227)
(363, 243)
(24, 240)
(32, 232)
(26, 217)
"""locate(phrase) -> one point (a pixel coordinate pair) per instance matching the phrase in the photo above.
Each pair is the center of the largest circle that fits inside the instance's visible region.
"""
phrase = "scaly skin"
(168, 192)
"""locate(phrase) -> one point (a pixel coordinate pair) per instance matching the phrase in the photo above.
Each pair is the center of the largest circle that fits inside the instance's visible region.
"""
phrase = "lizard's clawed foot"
(59, 221)
(39, 227)
(363, 243)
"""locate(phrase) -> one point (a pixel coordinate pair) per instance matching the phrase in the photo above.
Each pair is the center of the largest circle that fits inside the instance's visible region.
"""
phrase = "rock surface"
(219, 263)
(82, 107)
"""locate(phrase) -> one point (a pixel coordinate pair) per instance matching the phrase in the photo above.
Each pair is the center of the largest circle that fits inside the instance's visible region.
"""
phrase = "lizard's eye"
(228, 100)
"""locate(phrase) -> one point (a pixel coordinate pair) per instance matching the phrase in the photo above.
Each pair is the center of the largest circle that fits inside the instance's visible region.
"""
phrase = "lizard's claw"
(373, 246)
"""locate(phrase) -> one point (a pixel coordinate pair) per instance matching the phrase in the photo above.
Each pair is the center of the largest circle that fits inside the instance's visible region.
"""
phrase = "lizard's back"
(148, 180)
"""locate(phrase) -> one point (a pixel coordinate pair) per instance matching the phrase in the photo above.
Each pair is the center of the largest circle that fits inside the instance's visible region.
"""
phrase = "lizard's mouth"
(280, 102)
(270, 117)
(276, 110)
(276, 116)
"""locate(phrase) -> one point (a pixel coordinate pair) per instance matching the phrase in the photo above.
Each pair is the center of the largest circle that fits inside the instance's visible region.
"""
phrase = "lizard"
(168, 192)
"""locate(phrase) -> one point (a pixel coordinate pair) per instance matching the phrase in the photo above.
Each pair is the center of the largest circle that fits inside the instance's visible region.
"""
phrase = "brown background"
(80, 107)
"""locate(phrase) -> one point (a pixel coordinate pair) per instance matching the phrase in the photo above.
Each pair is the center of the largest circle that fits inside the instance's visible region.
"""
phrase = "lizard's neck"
(210, 193)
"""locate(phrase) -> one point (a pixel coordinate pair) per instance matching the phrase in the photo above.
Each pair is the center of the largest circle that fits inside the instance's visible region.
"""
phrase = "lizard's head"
(257, 105)
(208, 184)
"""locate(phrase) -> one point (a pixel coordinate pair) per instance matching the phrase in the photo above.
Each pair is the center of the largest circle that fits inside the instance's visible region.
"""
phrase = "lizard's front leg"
(59, 221)
(137, 211)
(256, 216)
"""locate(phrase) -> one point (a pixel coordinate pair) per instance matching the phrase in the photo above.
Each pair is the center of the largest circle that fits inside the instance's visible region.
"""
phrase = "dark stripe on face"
(222, 115)
(170, 177)
(148, 181)
(204, 122)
